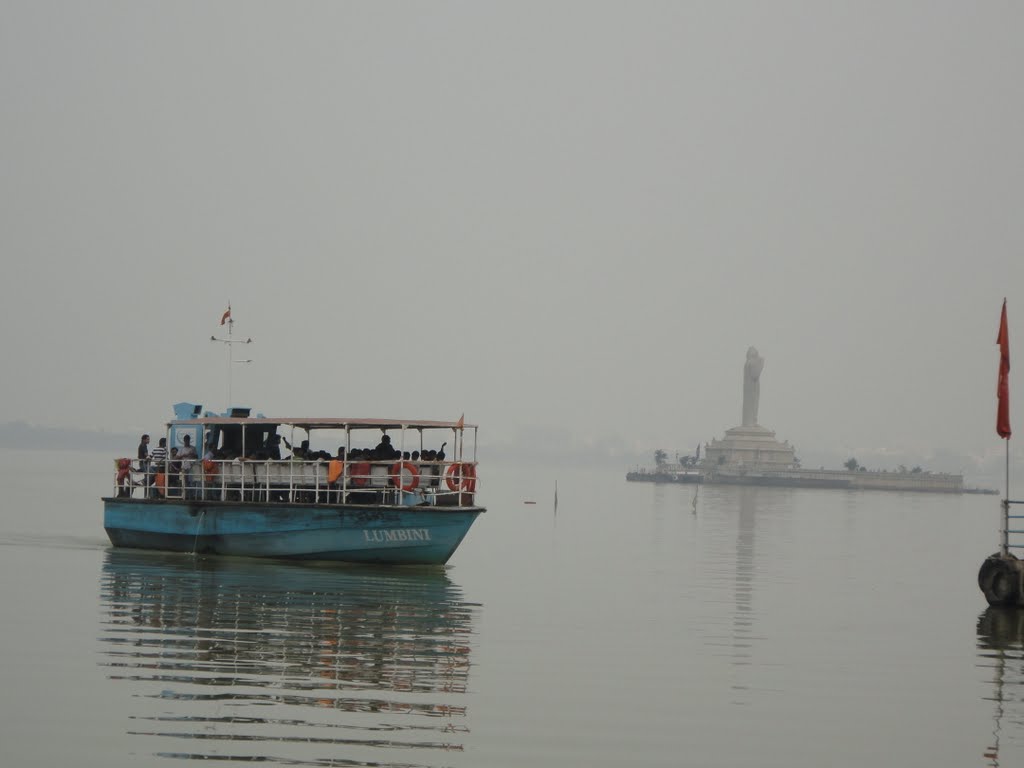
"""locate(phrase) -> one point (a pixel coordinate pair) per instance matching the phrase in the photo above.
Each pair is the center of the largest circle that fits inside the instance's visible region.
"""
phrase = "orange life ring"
(463, 475)
(360, 474)
(396, 475)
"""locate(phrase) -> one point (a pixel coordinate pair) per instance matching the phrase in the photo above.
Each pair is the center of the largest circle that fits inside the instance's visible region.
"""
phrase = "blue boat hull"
(398, 535)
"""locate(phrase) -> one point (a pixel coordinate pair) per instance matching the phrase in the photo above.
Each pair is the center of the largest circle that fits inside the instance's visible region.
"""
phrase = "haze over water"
(414, 209)
(756, 627)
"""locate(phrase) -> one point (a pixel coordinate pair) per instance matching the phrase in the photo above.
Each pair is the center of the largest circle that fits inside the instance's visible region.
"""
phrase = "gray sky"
(564, 219)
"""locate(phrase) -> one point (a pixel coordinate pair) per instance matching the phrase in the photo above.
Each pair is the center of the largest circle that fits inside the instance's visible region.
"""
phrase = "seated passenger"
(336, 475)
(124, 477)
(301, 452)
(274, 448)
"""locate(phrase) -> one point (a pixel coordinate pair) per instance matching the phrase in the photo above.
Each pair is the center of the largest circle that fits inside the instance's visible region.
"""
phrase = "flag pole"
(230, 341)
(1003, 421)
(1004, 543)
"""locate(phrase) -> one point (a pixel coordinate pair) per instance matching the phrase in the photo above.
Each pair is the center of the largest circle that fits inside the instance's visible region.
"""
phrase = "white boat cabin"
(236, 457)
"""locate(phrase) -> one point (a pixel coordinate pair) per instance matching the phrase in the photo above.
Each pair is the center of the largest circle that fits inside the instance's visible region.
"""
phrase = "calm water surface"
(635, 625)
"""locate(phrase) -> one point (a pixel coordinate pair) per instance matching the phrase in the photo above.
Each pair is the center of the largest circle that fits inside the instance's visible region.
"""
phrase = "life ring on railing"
(396, 475)
(359, 474)
(335, 469)
(463, 475)
(210, 470)
(124, 469)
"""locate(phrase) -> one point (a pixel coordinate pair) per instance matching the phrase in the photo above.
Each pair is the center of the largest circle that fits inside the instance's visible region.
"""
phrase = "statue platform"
(751, 447)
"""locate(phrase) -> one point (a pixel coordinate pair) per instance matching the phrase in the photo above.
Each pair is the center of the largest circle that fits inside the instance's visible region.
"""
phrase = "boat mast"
(230, 342)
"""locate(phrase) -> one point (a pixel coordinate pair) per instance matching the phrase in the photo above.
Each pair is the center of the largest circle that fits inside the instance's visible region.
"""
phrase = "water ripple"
(339, 666)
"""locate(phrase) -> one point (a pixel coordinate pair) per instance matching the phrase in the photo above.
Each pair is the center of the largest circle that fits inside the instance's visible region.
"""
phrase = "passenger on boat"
(274, 447)
(187, 456)
(124, 478)
(143, 458)
(431, 473)
(210, 469)
(187, 451)
(157, 460)
(335, 475)
(173, 474)
(300, 452)
(384, 450)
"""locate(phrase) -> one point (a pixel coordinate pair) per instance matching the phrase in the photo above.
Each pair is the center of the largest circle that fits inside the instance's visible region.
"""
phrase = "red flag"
(461, 421)
(1003, 387)
(226, 316)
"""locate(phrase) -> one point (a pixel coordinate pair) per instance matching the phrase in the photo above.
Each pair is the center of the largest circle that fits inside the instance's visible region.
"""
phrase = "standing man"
(157, 462)
(187, 456)
(143, 453)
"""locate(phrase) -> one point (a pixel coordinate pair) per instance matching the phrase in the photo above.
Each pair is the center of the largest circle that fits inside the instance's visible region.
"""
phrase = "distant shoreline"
(926, 482)
(19, 435)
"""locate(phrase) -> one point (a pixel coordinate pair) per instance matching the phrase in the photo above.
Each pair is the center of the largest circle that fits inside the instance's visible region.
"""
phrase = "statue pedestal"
(750, 448)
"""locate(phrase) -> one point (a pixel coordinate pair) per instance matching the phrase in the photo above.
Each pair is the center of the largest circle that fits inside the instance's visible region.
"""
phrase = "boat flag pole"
(230, 343)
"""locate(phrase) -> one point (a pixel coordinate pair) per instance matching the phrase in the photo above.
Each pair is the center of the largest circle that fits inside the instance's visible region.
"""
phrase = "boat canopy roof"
(320, 423)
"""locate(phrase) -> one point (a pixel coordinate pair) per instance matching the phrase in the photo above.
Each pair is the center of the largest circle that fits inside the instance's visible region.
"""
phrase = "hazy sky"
(560, 218)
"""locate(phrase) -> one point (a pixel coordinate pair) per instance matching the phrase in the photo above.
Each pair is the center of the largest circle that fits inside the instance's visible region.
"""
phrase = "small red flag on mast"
(226, 316)
(460, 422)
(1003, 387)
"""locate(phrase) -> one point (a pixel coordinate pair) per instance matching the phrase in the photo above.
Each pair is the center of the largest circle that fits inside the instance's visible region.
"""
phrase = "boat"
(665, 475)
(401, 502)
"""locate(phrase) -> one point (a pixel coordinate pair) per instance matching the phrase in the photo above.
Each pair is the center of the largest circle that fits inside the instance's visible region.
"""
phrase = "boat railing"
(319, 482)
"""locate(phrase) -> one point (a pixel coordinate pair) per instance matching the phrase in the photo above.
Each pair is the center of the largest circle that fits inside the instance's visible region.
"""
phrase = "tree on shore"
(852, 464)
(659, 457)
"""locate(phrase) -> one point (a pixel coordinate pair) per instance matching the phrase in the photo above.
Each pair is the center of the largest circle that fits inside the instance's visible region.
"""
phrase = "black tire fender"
(999, 580)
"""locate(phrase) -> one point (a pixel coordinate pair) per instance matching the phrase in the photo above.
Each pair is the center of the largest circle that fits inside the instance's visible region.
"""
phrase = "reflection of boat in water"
(1001, 649)
(267, 656)
(399, 504)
